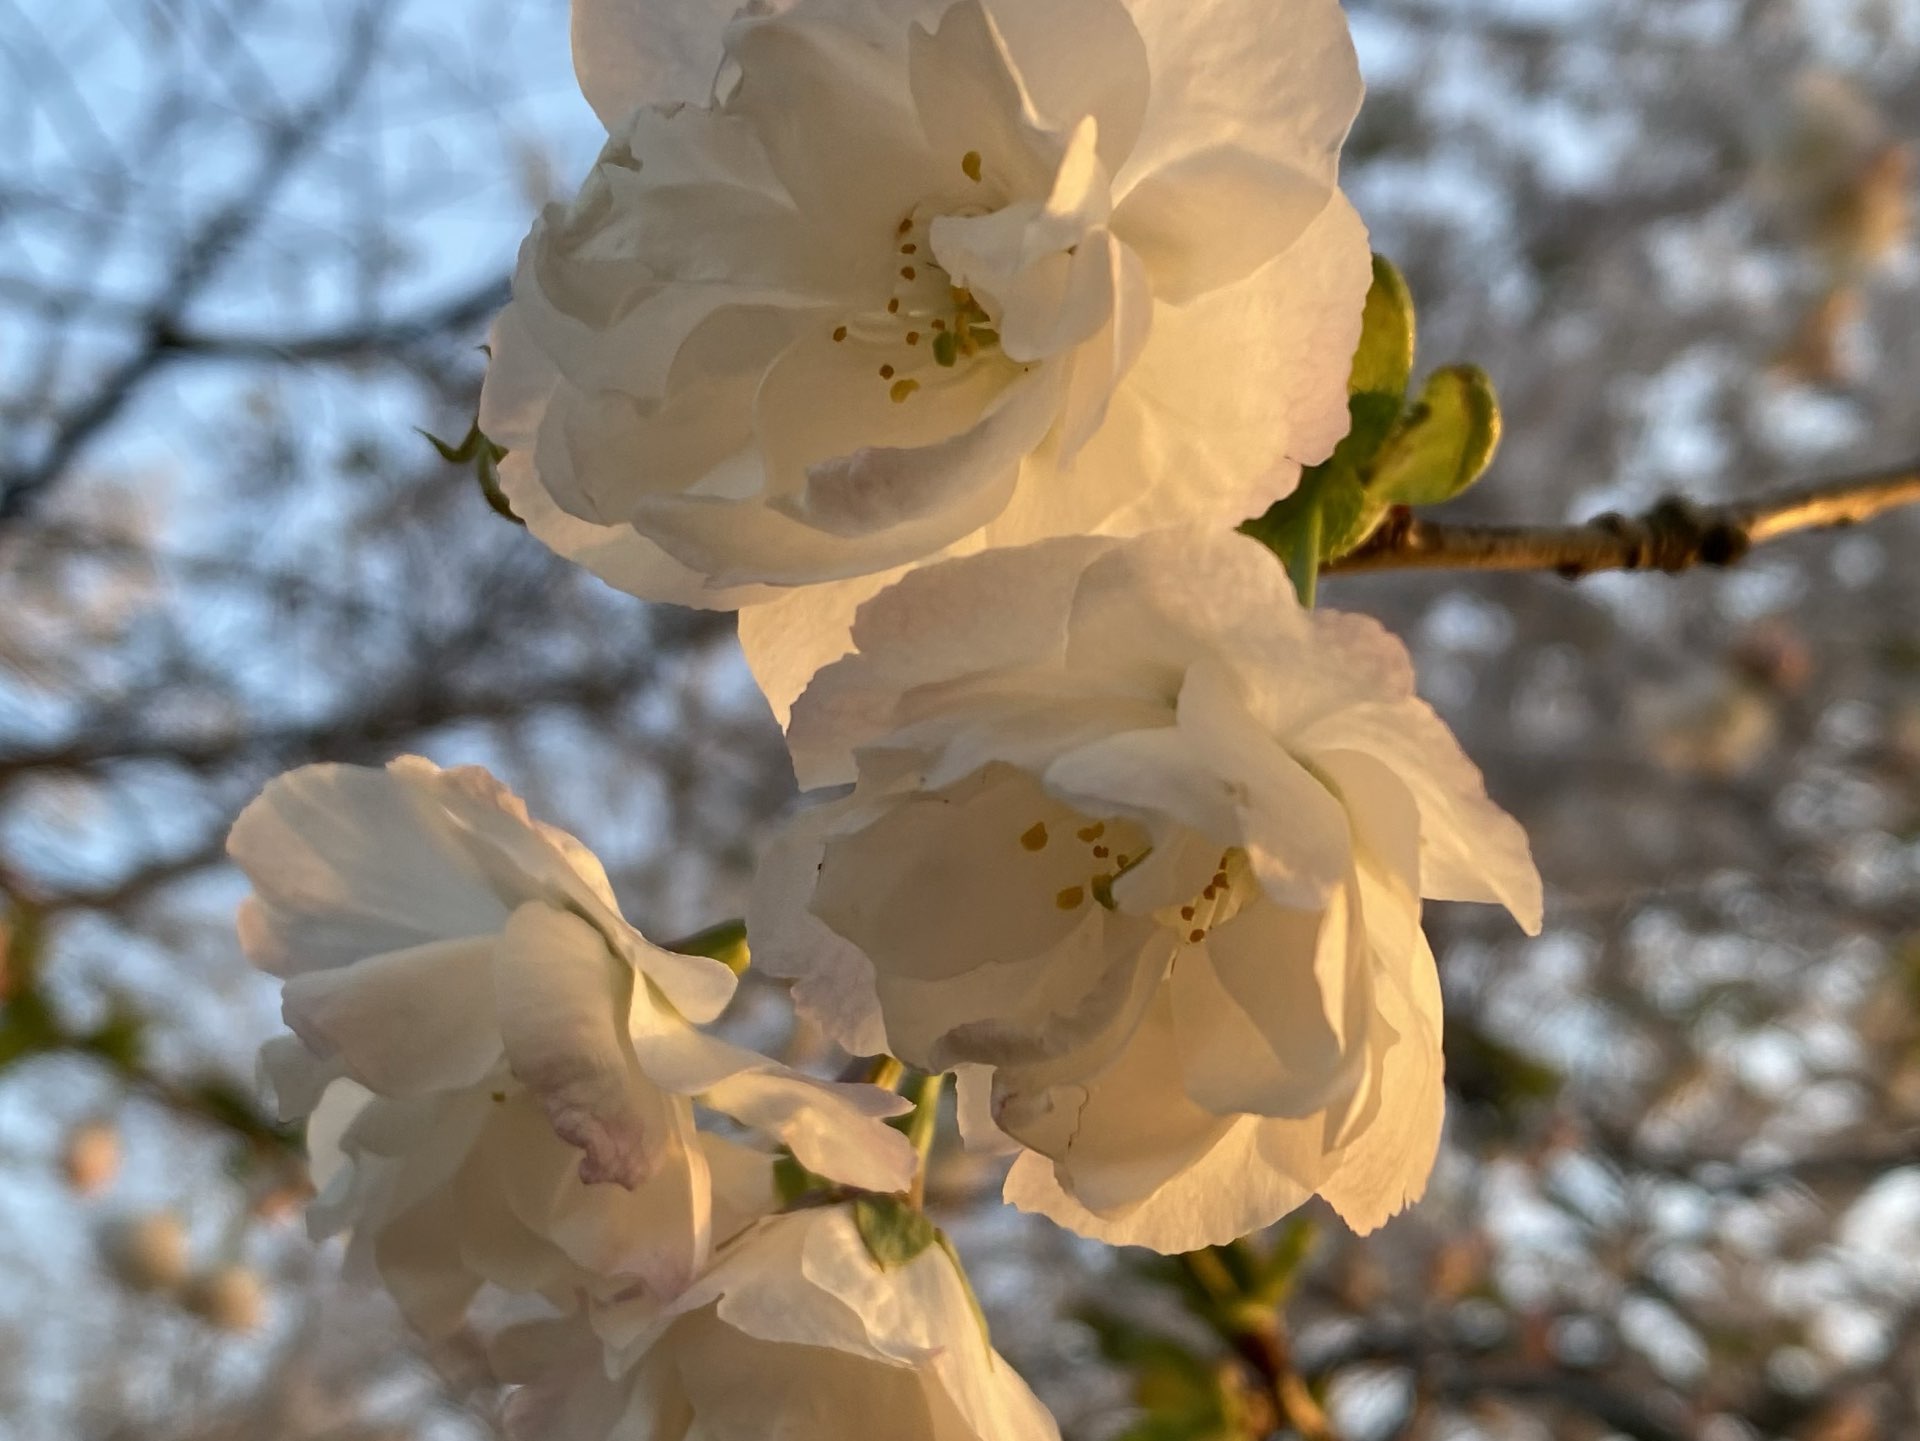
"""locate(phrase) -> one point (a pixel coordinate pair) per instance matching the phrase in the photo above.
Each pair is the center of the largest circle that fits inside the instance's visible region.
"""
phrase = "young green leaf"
(1445, 443)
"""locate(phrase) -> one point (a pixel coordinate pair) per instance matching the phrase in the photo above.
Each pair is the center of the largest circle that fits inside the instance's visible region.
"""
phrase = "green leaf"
(1443, 445)
(1328, 514)
(1384, 361)
(894, 1231)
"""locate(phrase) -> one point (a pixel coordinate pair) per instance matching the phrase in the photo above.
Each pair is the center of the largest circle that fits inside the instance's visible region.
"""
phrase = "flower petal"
(563, 1000)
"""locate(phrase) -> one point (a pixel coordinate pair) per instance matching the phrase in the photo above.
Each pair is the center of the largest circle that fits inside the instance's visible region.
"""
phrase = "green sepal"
(895, 1232)
(484, 456)
(1383, 363)
(1444, 444)
(942, 1240)
(725, 943)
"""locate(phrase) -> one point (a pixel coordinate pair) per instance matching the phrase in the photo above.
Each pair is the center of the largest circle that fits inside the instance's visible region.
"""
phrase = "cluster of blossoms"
(947, 340)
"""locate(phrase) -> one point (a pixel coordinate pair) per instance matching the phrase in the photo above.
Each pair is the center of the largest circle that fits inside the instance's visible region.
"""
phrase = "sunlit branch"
(1673, 536)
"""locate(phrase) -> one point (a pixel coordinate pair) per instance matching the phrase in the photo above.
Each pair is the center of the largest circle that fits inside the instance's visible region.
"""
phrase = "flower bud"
(150, 1252)
(230, 1298)
(91, 1159)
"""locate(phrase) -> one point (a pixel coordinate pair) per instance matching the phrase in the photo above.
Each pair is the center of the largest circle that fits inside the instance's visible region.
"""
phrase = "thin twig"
(1673, 536)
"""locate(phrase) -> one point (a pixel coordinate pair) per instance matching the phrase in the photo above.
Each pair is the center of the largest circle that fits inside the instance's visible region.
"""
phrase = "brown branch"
(1673, 536)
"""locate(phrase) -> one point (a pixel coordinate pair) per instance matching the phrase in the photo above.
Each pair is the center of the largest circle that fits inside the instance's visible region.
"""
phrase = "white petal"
(1272, 1011)
(833, 980)
(833, 1130)
(1294, 829)
(1214, 217)
(1237, 389)
(405, 1023)
(1470, 849)
(1386, 1167)
(627, 55)
(1075, 58)
(563, 1000)
(788, 639)
(1226, 74)
(1003, 608)
(349, 862)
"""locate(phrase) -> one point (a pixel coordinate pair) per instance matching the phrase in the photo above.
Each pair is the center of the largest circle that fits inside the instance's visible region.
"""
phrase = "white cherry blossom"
(921, 277)
(501, 1071)
(1138, 845)
(795, 1333)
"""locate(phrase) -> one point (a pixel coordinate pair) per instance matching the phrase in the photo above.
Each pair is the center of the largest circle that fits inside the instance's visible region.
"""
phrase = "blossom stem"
(1675, 535)
(926, 1120)
(1259, 1338)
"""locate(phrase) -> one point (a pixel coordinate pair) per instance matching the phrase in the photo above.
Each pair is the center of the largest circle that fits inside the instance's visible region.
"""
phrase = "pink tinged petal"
(1470, 849)
(563, 1000)
(936, 466)
(658, 1231)
(1214, 217)
(349, 862)
(1075, 58)
(406, 1023)
(1294, 829)
(864, 507)
(1273, 1011)
(627, 55)
(1226, 74)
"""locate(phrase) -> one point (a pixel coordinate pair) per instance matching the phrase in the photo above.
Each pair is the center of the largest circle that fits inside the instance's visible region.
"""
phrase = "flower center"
(1230, 889)
(928, 323)
(1110, 849)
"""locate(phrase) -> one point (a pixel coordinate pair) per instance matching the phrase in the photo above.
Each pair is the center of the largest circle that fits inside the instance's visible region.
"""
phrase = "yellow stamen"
(1035, 838)
(1070, 898)
(970, 165)
(903, 388)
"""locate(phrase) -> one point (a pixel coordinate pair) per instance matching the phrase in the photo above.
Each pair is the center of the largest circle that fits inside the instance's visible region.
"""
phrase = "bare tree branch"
(1673, 536)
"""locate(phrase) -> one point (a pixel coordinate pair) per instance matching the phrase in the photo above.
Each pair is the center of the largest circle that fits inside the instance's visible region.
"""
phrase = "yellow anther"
(1035, 837)
(1070, 898)
(913, 337)
(893, 306)
(886, 372)
(909, 248)
(1093, 832)
(903, 388)
(907, 272)
(840, 333)
(1100, 853)
(1195, 937)
(970, 164)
